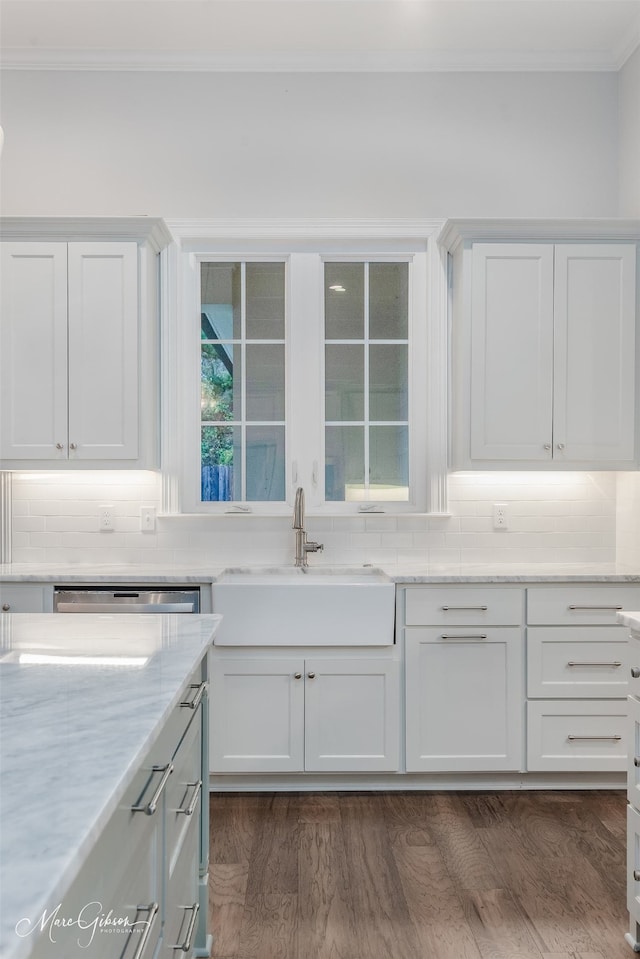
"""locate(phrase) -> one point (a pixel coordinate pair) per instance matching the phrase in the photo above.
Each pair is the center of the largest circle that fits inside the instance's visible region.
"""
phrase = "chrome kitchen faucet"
(303, 546)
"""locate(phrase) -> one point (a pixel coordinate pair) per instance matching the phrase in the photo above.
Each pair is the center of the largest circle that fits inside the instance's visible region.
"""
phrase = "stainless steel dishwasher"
(126, 599)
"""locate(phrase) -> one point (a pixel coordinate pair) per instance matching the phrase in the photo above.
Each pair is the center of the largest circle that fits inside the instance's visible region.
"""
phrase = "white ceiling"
(321, 35)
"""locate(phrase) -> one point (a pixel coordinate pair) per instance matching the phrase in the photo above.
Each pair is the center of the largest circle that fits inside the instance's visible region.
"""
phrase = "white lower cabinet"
(464, 694)
(26, 598)
(143, 890)
(464, 678)
(305, 712)
(577, 677)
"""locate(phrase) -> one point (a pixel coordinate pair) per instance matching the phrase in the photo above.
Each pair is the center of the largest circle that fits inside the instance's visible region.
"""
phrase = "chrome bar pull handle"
(152, 909)
(447, 609)
(615, 664)
(152, 805)
(186, 945)
(197, 699)
(197, 789)
(463, 636)
(604, 608)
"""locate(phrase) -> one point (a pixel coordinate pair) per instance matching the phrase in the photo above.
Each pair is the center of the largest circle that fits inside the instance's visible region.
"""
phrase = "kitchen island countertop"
(630, 618)
(82, 699)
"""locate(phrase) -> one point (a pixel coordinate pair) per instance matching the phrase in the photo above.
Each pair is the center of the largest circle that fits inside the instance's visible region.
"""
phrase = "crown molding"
(497, 231)
(142, 229)
(302, 228)
(442, 61)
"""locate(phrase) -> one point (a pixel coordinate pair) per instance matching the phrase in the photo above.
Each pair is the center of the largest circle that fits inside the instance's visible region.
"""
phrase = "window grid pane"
(245, 458)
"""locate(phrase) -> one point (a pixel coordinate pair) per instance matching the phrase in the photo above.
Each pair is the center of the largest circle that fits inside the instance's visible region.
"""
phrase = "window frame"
(305, 246)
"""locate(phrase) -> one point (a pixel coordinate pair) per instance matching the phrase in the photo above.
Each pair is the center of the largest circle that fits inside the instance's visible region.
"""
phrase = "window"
(366, 365)
(306, 363)
(242, 382)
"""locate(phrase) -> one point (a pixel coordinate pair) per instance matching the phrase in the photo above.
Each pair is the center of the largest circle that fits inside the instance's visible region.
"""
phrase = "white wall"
(554, 518)
(354, 145)
(629, 120)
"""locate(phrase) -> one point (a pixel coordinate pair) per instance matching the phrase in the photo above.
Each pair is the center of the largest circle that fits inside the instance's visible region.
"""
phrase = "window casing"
(327, 365)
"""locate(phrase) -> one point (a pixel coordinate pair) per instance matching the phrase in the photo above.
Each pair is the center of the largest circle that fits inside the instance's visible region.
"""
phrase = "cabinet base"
(315, 782)
(204, 951)
(630, 938)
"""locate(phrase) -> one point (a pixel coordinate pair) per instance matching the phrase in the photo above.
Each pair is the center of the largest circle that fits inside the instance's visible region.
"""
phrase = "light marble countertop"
(476, 573)
(630, 618)
(72, 736)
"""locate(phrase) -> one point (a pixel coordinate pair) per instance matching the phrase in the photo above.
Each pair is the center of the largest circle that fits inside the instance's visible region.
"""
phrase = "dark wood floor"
(507, 875)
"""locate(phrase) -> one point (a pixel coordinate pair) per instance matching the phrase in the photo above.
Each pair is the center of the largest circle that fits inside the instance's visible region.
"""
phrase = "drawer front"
(633, 863)
(122, 877)
(182, 909)
(568, 663)
(461, 606)
(633, 739)
(184, 791)
(579, 605)
(633, 659)
(577, 737)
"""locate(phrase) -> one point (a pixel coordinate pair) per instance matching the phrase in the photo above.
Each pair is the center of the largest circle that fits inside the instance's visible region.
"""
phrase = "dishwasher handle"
(115, 607)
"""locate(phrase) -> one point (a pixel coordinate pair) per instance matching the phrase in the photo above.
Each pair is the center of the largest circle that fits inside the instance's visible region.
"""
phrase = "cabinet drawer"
(633, 739)
(453, 605)
(568, 663)
(633, 863)
(577, 737)
(184, 791)
(633, 659)
(579, 605)
(182, 908)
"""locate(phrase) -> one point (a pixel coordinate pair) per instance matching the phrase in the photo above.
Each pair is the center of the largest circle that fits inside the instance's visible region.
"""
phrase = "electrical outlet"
(148, 519)
(106, 519)
(500, 516)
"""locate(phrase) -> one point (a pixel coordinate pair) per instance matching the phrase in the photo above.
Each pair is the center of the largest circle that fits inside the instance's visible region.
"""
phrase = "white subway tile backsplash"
(558, 517)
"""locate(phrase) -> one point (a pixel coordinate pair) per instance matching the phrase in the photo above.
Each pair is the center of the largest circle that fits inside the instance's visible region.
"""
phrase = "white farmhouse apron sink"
(286, 606)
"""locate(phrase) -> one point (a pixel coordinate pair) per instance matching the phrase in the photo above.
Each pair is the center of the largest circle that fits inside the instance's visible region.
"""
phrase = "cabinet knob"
(297, 675)
(547, 446)
(635, 672)
(59, 446)
(311, 675)
(560, 446)
(6, 607)
(73, 446)
(636, 875)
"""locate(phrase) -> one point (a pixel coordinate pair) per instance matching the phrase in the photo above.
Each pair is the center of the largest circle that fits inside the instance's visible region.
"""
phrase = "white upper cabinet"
(78, 345)
(544, 348)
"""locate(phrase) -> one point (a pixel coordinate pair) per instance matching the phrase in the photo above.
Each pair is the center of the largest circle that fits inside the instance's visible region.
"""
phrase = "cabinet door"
(33, 351)
(257, 715)
(464, 692)
(103, 350)
(352, 715)
(594, 353)
(512, 351)
(25, 598)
